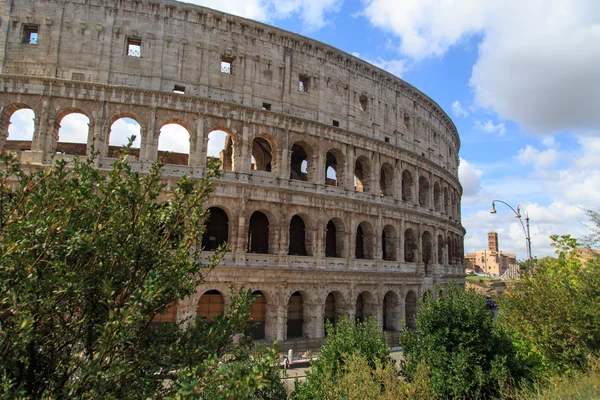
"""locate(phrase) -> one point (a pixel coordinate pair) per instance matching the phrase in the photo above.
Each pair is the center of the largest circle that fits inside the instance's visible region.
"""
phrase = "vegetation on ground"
(88, 258)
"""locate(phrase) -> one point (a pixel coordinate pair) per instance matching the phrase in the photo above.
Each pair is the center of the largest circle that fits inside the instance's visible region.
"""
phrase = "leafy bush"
(467, 356)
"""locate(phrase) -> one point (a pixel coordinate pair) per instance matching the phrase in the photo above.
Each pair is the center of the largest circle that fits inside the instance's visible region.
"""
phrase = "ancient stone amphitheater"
(341, 192)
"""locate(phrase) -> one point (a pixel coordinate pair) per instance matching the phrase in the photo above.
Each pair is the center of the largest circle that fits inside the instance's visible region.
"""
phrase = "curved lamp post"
(518, 215)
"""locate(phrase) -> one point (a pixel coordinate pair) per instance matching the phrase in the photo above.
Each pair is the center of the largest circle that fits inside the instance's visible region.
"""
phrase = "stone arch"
(19, 122)
(386, 180)
(298, 238)
(334, 238)
(364, 246)
(72, 131)
(174, 138)
(259, 233)
(423, 191)
(436, 197)
(301, 161)
(427, 251)
(295, 315)
(258, 316)
(410, 245)
(388, 243)
(121, 128)
(220, 145)
(410, 309)
(334, 167)
(366, 306)
(407, 185)
(332, 309)
(362, 172)
(210, 305)
(216, 229)
(440, 249)
(263, 154)
(391, 311)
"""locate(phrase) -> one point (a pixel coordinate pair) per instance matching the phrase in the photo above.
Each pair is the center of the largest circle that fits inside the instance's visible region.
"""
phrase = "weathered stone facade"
(315, 107)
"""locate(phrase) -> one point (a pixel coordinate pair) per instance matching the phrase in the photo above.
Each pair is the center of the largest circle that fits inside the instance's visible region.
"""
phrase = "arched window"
(216, 229)
(427, 246)
(297, 237)
(258, 317)
(120, 131)
(258, 233)
(331, 170)
(361, 174)
(211, 304)
(436, 197)
(21, 127)
(330, 313)
(262, 155)
(386, 180)
(364, 306)
(359, 251)
(360, 309)
(73, 134)
(331, 240)
(407, 184)
(423, 192)
(410, 245)
(388, 243)
(220, 147)
(295, 316)
(299, 163)
(364, 241)
(175, 140)
(391, 317)
(410, 310)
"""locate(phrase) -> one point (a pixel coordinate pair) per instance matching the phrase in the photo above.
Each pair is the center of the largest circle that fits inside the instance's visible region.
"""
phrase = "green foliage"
(344, 340)
(465, 353)
(87, 259)
(553, 313)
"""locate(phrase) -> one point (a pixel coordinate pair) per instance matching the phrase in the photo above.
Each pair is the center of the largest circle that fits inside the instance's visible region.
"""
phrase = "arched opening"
(262, 155)
(334, 238)
(220, 147)
(440, 249)
(436, 197)
(174, 139)
(361, 174)
(450, 251)
(120, 132)
(423, 192)
(391, 316)
(258, 233)
(386, 180)
(295, 316)
(211, 305)
(407, 184)
(427, 246)
(169, 314)
(21, 129)
(410, 245)
(299, 163)
(216, 230)
(73, 133)
(410, 310)
(331, 170)
(297, 237)
(364, 239)
(446, 202)
(388, 243)
(258, 317)
(364, 306)
(330, 311)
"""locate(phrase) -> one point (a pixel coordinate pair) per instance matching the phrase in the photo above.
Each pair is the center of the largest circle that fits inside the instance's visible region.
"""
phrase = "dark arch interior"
(258, 233)
(295, 316)
(410, 245)
(331, 240)
(330, 310)
(211, 304)
(262, 153)
(331, 162)
(298, 157)
(258, 317)
(406, 186)
(297, 237)
(359, 251)
(217, 229)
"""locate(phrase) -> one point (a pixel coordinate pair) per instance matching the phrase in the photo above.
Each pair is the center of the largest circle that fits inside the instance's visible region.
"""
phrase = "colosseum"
(340, 194)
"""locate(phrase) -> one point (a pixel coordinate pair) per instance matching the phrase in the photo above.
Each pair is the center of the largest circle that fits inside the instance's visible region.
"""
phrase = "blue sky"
(521, 81)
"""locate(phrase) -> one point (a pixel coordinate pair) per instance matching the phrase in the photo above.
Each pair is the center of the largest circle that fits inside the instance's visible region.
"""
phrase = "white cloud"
(396, 67)
(540, 158)
(458, 109)
(489, 127)
(313, 13)
(122, 129)
(538, 60)
(21, 125)
(174, 138)
(470, 179)
(74, 128)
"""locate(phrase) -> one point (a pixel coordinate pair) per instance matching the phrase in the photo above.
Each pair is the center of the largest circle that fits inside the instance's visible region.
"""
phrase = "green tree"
(553, 312)
(87, 259)
(466, 355)
(345, 339)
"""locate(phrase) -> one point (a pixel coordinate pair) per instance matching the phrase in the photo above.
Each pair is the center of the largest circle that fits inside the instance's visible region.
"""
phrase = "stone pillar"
(401, 241)
(281, 331)
(374, 187)
(246, 156)
(197, 146)
(149, 143)
(378, 253)
(321, 173)
(349, 175)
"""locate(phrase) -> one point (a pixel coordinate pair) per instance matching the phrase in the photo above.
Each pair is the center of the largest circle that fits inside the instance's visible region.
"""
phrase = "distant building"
(490, 261)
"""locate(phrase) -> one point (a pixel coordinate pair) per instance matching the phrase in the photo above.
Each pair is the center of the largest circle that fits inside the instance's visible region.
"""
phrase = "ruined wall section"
(184, 44)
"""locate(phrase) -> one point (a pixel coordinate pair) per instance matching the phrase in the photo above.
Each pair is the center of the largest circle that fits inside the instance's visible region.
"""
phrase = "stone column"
(197, 146)
(281, 322)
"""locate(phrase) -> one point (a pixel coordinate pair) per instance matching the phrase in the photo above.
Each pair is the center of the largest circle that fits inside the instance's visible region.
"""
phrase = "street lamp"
(518, 215)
